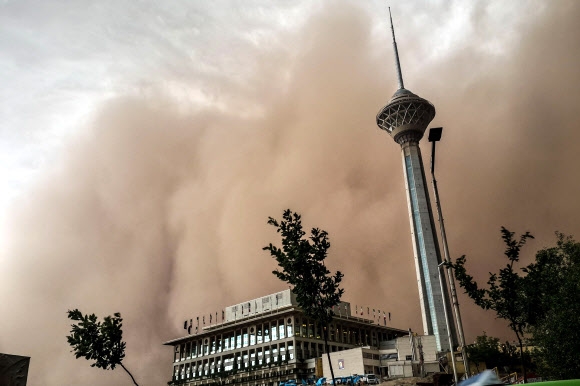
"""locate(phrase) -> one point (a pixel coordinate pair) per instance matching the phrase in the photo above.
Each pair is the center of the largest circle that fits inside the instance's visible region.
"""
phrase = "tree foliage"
(101, 342)
(486, 349)
(301, 262)
(505, 292)
(553, 287)
(492, 353)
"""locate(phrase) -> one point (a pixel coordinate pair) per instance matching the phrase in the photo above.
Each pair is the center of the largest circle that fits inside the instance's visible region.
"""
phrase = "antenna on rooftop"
(399, 73)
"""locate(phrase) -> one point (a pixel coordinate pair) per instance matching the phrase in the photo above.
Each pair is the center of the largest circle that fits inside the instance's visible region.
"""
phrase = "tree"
(486, 349)
(553, 288)
(506, 291)
(101, 342)
(302, 266)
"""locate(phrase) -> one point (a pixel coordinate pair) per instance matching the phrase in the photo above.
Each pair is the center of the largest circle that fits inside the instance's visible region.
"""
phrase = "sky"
(144, 144)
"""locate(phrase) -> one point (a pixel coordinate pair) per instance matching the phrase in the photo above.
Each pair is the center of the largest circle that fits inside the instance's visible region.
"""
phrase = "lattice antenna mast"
(399, 73)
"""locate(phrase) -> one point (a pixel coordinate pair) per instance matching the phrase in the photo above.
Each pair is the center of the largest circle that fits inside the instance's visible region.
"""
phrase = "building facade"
(406, 356)
(267, 340)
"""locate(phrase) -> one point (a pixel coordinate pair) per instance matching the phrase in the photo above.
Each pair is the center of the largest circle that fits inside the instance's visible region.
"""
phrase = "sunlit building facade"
(266, 340)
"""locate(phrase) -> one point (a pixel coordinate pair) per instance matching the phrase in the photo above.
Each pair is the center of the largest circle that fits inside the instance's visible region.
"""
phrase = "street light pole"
(446, 312)
(435, 136)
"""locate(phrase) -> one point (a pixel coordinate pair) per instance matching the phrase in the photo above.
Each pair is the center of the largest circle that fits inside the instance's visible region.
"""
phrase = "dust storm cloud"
(158, 209)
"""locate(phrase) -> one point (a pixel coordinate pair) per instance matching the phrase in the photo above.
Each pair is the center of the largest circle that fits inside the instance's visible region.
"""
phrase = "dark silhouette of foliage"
(486, 349)
(505, 293)
(301, 262)
(101, 342)
(553, 288)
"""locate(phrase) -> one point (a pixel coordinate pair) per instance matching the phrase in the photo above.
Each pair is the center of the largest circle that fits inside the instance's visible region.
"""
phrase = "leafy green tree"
(301, 261)
(509, 352)
(505, 293)
(553, 288)
(101, 342)
(486, 349)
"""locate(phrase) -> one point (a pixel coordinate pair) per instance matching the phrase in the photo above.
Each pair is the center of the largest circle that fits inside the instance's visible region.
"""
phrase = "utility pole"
(435, 136)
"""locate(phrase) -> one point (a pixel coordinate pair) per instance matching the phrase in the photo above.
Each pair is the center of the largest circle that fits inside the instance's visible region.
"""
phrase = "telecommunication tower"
(406, 118)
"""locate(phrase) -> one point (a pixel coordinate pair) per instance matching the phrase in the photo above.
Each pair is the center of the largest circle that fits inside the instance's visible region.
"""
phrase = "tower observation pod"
(406, 118)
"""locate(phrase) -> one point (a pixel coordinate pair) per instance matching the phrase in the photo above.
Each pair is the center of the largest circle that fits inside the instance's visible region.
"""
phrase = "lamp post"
(435, 136)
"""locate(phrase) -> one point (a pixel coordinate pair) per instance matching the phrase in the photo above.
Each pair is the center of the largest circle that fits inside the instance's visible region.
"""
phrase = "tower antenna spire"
(399, 73)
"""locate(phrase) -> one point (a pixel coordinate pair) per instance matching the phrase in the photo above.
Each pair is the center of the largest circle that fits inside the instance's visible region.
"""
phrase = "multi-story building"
(266, 340)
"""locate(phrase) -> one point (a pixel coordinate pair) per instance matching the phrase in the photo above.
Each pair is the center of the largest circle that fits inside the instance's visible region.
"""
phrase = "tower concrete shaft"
(425, 246)
(406, 118)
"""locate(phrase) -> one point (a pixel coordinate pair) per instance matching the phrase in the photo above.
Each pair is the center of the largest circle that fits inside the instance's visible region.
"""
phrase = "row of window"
(247, 336)
(262, 356)
(266, 376)
(276, 330)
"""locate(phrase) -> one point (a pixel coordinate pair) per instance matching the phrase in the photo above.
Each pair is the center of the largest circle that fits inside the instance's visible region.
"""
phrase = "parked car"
(291, 382)
(371, 379)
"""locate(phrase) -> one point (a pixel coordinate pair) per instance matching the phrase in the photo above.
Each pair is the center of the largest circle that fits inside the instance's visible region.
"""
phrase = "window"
(229, 363)
(274, 331)
(281, 329)
(289, 327)
(246, 337)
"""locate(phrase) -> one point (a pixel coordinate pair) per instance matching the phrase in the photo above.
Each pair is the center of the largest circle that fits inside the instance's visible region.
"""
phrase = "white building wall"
(401, 370)
(429, 347)
(351, 362)
(270, 303)
(266, 303)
